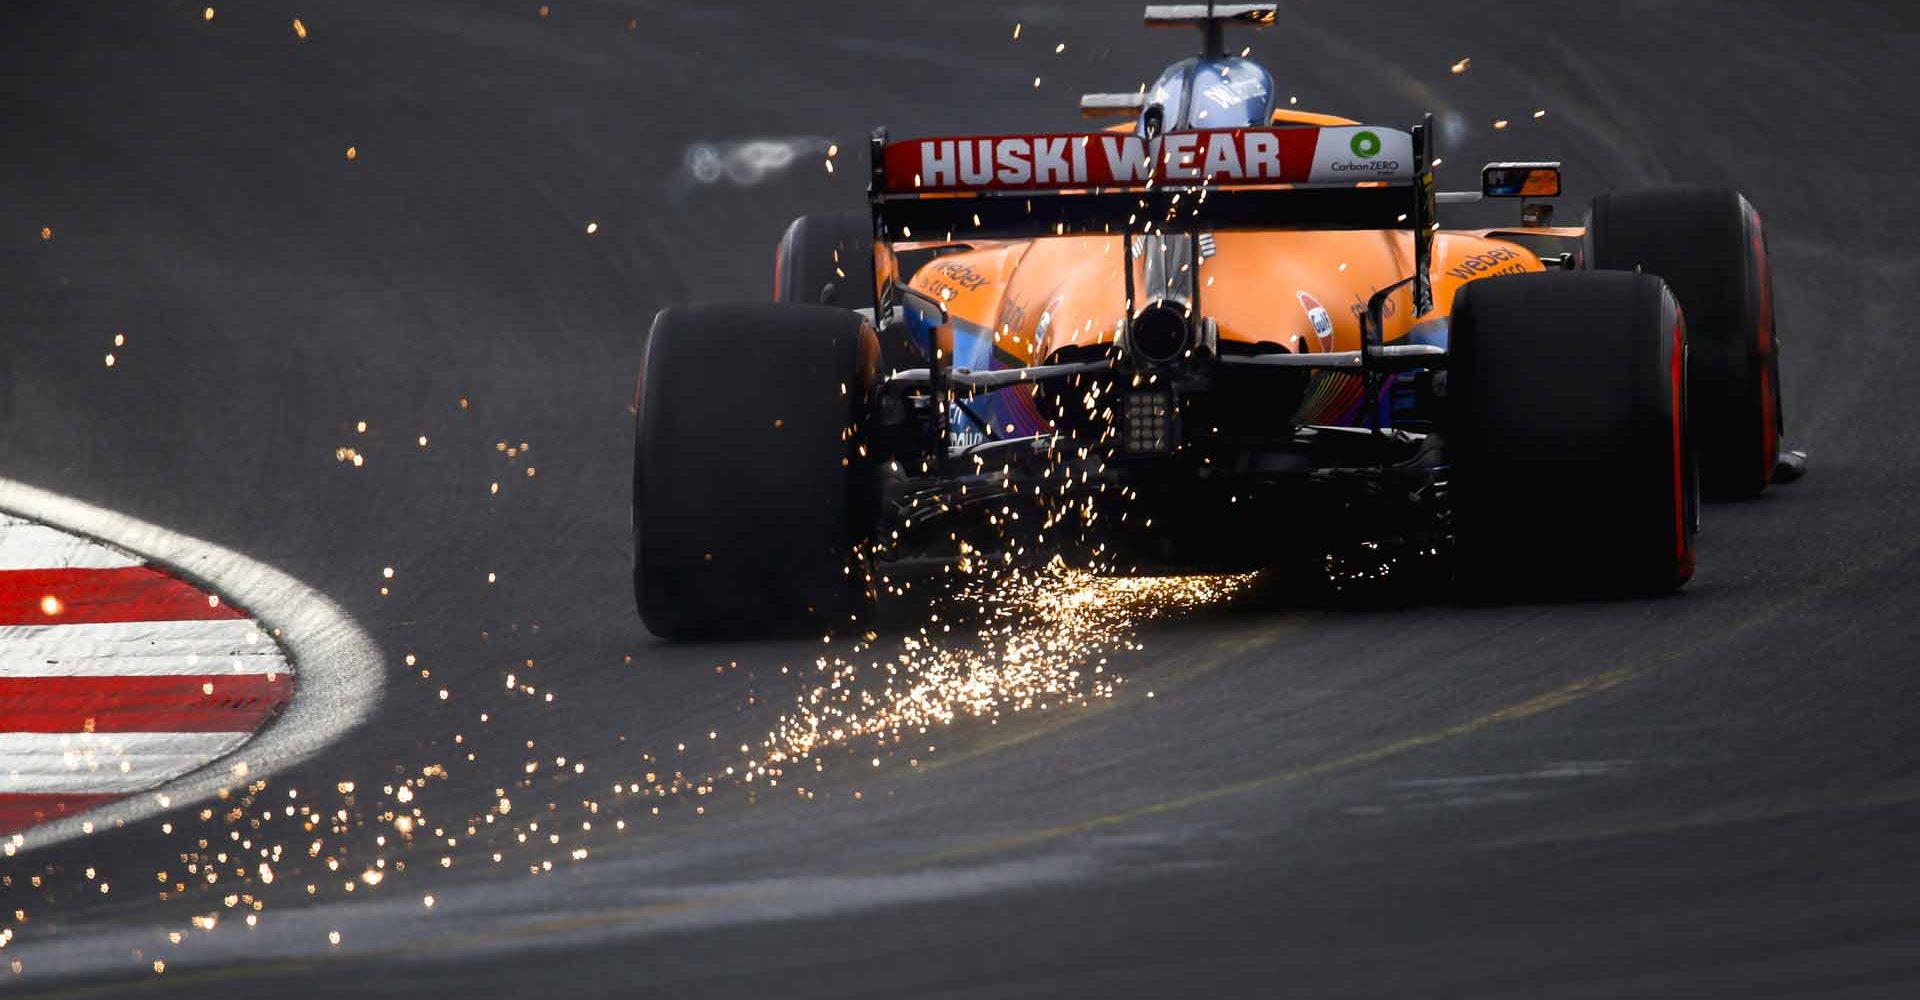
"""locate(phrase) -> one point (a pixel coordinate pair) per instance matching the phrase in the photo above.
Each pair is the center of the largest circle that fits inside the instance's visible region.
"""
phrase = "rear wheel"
(826, 259)
(1709, 245)
(1567, 440)
(747, 504)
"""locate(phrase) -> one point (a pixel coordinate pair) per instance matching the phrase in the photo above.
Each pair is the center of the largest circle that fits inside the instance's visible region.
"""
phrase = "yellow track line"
(1559, 697)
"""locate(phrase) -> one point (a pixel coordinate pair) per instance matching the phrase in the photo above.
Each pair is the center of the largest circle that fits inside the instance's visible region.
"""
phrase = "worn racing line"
(402, 377)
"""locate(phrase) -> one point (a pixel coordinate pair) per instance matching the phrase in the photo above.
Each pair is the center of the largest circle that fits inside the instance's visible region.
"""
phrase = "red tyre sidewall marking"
(1682, 540)
(1763, 346)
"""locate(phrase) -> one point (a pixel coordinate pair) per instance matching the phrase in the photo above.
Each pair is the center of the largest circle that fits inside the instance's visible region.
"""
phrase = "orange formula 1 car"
(1218, 337)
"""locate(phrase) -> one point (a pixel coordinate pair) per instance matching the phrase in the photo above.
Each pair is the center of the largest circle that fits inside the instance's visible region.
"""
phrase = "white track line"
(139, 649)
(103, 763)
(341, 673)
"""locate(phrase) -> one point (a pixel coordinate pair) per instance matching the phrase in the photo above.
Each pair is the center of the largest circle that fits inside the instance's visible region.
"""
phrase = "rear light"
(1148, 417)
(1161, 335)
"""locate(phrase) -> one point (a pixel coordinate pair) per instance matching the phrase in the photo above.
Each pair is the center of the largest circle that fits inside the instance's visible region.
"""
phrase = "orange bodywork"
(1016, 303)
(1039, 296)
(1036, 297)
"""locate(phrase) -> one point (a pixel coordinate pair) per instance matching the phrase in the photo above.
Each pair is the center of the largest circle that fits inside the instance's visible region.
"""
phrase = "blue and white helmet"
(1196, 95)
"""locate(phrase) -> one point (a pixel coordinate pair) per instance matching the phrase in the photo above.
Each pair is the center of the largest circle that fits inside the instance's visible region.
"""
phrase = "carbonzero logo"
(1366, 146)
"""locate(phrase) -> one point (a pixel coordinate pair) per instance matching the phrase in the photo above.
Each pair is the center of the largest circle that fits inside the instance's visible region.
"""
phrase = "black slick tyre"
(826, 259)
(1570, 469)
(747, 503)
(1709, 245)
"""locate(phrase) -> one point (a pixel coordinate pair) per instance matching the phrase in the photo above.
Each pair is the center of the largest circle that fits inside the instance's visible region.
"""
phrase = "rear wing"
(1023, 186)
(1013, 186)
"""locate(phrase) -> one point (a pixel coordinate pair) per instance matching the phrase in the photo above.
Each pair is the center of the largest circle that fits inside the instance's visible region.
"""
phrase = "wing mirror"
(1520, 180)
(1112, 105)
(1527, 182)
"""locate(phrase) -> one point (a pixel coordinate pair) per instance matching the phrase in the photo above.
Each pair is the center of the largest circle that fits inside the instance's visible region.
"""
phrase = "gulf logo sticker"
(1318, 315)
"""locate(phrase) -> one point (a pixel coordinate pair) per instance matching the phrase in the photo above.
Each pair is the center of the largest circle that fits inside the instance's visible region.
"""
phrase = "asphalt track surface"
(1708, 795)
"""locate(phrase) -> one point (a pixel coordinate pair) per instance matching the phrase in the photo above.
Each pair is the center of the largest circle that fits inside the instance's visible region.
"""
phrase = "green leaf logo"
(1366, 145)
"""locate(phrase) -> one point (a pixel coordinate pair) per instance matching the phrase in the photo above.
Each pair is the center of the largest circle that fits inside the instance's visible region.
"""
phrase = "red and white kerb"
(116, 677)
